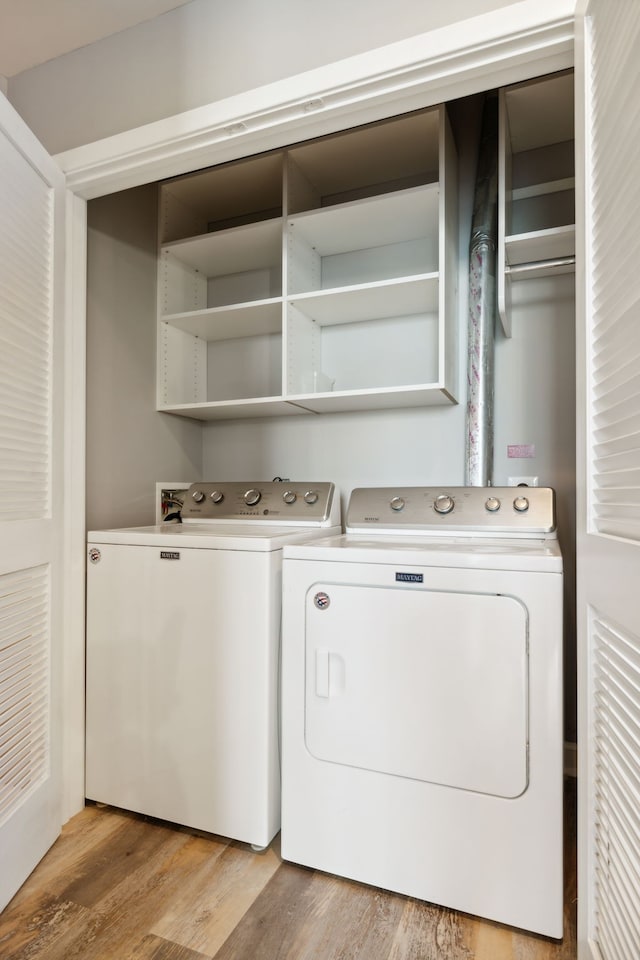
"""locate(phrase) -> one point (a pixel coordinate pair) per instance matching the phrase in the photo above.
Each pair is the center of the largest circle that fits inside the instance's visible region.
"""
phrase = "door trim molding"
(494, 49)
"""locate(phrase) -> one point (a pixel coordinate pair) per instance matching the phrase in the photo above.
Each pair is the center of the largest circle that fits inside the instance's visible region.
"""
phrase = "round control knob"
(198, 496)
(217, 496)
(492, 504)
(397, 503)
(521, 504)
(443, 503)
(252, 497)
(311, 497)
(289, 496)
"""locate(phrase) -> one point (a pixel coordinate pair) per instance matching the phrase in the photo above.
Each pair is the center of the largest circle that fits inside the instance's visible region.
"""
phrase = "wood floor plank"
(264, 932)
(130, 893)
(126, 914)
(38, 916)
(427, 932)
(489, 941)
(302, 915)
(34, 928)
(156, 948)
(63, 861)
(98, 932)
(354, 921)
(215, 898)
(118, 857)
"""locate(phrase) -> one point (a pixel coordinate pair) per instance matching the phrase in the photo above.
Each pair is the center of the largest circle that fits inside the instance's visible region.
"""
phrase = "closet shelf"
(249, 247)
(536, 184)
(543, 189)
(235, 409)
(251, 319)
(389, 298)
(540, 245)
(349, 304)
(373, 222)
(414, 395)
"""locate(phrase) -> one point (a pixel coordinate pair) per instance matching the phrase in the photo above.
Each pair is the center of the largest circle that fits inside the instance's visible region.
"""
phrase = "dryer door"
(421, 684)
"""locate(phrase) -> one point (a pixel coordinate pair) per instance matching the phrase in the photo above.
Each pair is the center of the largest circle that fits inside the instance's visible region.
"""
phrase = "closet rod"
(537, 265)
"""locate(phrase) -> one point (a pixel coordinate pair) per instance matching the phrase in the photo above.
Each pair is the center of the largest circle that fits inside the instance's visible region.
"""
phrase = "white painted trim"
(522, 40)
(587, 948)
(74, 508)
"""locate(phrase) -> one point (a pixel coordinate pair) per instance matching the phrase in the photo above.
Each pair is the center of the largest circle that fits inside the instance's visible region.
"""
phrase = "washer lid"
(208, 536)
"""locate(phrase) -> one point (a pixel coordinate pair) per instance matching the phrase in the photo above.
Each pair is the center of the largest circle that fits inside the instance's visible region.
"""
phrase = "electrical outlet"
(522, 481)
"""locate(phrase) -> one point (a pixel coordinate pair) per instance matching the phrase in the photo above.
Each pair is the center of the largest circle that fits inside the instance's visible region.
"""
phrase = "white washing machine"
(183, 631)
(422, 701)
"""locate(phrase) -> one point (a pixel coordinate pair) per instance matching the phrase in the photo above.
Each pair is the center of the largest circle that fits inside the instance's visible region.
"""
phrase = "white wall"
(535, 404)
(535, 392)
(129, 445)
(208, 50)
(383, 448)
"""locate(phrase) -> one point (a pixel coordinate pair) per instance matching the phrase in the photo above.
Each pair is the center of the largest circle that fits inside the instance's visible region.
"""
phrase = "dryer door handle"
(322, 672)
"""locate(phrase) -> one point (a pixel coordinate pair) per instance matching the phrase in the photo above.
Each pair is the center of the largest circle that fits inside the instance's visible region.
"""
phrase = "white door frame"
(513, 43)
(74, 508)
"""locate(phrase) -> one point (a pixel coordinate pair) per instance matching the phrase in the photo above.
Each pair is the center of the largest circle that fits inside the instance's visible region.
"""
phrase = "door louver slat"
(26, 212)
(24, 684)
(618, 479)
(614, 474)
(616, 730)
(615, 279)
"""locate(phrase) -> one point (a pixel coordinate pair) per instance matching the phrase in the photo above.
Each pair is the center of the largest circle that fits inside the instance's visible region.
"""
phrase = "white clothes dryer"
(183, 644)
(422, 700)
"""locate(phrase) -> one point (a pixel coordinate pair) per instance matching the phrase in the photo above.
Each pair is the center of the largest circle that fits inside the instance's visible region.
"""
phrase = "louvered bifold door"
(616, 791)
(26, 215)
(31, 528)
(609, 522)
(616, 270)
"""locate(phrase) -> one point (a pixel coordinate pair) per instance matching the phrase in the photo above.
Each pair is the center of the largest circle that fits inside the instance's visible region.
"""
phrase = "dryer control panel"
(486, 511)
(283, 502)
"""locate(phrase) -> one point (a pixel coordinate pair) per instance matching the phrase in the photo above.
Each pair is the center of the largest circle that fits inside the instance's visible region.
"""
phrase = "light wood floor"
(117, 886)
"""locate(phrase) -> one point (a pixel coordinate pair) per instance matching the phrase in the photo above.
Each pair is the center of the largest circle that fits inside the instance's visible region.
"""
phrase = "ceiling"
(34, 31)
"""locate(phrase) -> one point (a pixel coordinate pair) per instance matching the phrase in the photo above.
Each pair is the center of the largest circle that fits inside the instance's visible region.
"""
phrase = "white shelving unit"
(335, 291)
(536, 214)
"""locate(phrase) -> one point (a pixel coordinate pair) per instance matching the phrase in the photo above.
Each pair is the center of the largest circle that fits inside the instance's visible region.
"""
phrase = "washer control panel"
(267, 501)
(488, 511)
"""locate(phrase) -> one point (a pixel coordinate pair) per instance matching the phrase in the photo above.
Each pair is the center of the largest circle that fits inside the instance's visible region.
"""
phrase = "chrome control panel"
(267, 501)
(489, 511)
